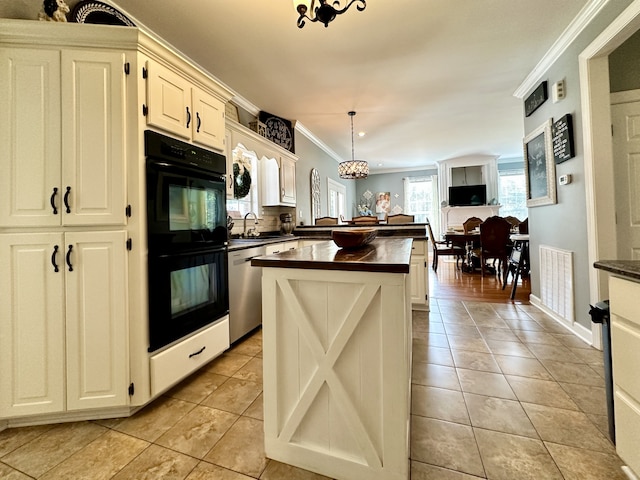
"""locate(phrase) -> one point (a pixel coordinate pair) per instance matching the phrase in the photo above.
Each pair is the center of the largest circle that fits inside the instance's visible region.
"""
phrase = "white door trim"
(598, 156)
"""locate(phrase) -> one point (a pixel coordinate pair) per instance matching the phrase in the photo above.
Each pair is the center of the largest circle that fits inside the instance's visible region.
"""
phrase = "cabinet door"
(93, 138)
(208, 124)
(287, 181)
(270, 183)
(32, 324)
(229, 153)
(168, 101)
(418, 273)
(29, 137)
(96, 333)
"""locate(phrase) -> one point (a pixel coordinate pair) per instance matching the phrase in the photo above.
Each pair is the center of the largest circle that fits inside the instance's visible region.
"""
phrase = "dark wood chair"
(514, 221)
(524, 226)
(442, 248)
(364, 220)
(494, 243)
(471, 223)
(400, 218)
(326, 221)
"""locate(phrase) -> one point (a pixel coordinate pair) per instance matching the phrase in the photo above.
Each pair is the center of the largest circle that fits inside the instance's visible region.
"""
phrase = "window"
(419, 195)
(512, 193)
(336, 199)
(249, 203)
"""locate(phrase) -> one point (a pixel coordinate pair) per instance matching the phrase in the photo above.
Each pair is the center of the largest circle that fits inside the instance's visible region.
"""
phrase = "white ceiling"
(429, 79)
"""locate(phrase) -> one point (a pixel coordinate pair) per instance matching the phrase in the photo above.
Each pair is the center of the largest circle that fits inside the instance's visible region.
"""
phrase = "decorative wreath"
(241, 181)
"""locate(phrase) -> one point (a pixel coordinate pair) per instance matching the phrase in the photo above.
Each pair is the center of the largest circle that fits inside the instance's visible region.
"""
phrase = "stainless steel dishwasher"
(245, 292)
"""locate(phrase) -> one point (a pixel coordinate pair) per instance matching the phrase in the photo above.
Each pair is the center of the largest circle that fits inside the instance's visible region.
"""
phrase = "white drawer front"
(177, 362)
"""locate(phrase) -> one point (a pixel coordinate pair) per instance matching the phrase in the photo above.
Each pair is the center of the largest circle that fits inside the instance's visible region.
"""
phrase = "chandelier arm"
(362, 4)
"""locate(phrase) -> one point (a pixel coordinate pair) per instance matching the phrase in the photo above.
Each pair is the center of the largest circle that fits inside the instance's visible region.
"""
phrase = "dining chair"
(471, 223)
(514, 221)
(365, 219)
(326, 221)
(524, 226)
(494, 243)
(442, 248)
(400, 218)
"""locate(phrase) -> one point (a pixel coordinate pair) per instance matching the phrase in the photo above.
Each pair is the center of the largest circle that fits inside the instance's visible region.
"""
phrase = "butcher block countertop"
(390, 255)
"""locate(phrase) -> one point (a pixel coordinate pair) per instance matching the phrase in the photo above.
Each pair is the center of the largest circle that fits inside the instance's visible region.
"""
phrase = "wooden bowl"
(353, 237)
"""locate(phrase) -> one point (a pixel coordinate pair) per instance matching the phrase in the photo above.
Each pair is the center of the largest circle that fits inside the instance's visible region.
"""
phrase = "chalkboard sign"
(562, 138)
(278, 130)
(537, 98)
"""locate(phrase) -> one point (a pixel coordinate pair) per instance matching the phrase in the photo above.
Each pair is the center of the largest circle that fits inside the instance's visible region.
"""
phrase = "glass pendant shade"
(353, 169)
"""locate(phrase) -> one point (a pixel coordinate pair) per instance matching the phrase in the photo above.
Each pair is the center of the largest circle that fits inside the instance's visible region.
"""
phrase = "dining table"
(467, 241)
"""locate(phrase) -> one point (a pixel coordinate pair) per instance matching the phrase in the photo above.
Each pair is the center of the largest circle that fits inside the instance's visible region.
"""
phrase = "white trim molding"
(598, 158)
(577, 25)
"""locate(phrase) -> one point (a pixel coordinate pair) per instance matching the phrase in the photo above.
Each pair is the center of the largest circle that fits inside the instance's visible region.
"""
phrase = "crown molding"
(575, 28)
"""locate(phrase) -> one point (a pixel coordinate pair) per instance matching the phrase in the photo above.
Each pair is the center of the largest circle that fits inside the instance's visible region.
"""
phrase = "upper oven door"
(186, 207)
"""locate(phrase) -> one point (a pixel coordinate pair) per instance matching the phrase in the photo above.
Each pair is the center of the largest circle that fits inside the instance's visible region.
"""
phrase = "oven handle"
(165, 167)
(195, 354)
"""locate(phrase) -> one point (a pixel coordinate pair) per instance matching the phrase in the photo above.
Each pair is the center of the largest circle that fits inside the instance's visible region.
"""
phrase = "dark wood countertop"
(389, 255)
(405, 230)
(623, 268)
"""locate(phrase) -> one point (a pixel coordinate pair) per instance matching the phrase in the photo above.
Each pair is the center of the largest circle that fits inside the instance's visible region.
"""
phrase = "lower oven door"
(187, 291)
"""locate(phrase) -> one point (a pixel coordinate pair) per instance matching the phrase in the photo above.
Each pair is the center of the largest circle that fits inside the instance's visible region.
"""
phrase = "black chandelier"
(353, 169)
(324, 12)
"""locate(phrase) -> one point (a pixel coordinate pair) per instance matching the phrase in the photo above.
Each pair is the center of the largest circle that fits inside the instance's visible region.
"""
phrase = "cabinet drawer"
(418, 247)
(281, 247)
(621, 293)
(175, 363)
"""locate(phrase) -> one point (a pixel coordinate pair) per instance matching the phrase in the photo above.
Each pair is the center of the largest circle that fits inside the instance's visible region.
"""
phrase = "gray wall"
(563, 225)
(388, 182)
(311, 156)
(624, 65)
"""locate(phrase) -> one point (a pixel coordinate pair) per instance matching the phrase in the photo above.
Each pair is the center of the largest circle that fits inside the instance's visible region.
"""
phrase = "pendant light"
(353, 169)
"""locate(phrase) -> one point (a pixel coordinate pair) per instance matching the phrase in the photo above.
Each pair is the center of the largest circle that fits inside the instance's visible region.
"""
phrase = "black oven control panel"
(160, 147)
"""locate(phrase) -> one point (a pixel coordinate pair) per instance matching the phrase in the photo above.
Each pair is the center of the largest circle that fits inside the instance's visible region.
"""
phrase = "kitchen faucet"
(252, 231)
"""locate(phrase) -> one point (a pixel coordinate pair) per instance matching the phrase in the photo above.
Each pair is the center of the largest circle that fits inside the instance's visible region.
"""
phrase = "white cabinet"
(278, 184)
(63, 334)
(62, 166)
(274, 248)
(419, 275)
(177, 106)
(625, 356)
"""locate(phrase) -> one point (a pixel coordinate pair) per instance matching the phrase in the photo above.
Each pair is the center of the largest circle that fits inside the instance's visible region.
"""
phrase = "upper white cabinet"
(278, 185)
(62, 166)
(177, 106)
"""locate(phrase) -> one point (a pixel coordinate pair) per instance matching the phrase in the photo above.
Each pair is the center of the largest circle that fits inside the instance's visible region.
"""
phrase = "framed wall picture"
(537, 98)
(540, 167)
(383, 202)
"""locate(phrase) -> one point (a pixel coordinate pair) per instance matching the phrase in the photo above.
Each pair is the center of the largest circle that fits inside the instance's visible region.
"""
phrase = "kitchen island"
(337, 358)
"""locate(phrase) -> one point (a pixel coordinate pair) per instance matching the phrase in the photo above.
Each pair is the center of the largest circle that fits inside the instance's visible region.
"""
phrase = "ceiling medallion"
(323, 13)
(353, 169)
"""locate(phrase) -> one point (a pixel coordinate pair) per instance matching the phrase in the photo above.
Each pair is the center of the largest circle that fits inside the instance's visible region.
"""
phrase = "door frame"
(598, 152)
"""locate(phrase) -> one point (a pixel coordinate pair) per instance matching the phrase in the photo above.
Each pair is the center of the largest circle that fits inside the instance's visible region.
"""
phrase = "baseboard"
(629, 473)
(578, 330)
(68, 416)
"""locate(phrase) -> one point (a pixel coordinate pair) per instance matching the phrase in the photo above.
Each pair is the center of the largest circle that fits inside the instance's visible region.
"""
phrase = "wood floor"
(450, 283)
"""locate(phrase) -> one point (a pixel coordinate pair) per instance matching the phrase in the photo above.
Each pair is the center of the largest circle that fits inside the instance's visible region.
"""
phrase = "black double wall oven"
(187, 238)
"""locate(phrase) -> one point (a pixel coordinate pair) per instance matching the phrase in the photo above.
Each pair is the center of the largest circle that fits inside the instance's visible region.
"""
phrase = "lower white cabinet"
(625, 356)
(281, 247)
(419, 276)
(63, 335)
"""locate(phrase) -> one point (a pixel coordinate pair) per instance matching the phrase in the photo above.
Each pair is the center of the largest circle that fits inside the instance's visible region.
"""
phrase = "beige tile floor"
(499, 392)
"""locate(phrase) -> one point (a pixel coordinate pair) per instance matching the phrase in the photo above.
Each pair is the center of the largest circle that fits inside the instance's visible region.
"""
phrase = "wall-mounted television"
(466, 195)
